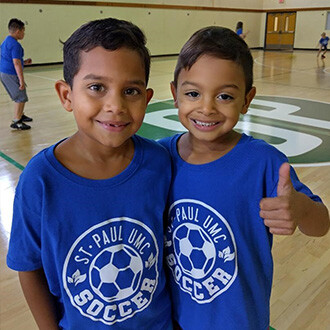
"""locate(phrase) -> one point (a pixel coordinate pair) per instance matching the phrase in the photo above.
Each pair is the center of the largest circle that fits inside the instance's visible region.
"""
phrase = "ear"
(174, 94)
(64, 93)
(248, 99)
(150, 93)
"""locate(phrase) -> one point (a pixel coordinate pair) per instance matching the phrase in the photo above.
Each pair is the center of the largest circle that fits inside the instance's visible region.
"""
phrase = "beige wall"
(274, 4)
(309, 26)
(166, 29)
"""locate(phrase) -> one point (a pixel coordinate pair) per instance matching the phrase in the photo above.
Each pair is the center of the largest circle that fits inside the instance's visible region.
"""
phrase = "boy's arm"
(290, 209)
(19, 71)
(39, 299)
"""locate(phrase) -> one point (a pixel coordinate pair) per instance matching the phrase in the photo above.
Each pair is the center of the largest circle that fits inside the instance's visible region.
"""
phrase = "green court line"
(11, 161)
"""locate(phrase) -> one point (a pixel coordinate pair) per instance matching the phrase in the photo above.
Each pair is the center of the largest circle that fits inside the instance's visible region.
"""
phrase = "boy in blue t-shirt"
(229, 194)
(87, 233)
(239, 30)
(11, 72)
(323, 45)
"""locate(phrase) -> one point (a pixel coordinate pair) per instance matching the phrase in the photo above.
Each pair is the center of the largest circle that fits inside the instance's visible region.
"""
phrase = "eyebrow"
(197, 85)
(92, 76)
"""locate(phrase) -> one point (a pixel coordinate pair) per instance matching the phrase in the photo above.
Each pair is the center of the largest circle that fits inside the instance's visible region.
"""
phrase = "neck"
(201, 152)
(14, 35)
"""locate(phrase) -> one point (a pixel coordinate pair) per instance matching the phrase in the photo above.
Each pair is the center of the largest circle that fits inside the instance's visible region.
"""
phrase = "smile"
(117, 126)
(205, 124)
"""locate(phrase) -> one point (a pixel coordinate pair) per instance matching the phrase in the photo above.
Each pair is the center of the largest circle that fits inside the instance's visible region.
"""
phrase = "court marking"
(256, 61)
(287, 116)
(11, 161)
(41, 77)
(21, 167)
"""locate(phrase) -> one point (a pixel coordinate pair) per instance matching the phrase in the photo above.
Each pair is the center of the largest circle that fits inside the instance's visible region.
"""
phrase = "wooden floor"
(301, 290)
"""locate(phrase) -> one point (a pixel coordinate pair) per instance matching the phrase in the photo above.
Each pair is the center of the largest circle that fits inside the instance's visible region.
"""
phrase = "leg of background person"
(18, 110)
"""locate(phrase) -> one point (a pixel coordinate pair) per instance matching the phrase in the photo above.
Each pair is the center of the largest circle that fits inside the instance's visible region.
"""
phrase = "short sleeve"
(17, 51)
(24, 253)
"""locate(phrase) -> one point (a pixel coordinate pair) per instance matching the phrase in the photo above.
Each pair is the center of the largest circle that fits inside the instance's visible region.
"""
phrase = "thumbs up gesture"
(281, 213)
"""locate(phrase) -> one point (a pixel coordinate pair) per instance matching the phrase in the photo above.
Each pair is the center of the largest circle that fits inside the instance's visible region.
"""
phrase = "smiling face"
(210, 97)
(108, 97)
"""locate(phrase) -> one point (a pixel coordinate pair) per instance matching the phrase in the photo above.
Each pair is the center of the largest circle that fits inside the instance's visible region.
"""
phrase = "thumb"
(284, 186)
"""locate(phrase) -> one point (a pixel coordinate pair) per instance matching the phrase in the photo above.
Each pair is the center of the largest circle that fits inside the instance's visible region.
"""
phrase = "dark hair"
(219, 42)
(239, 25)
(109, 33)
(15, 24)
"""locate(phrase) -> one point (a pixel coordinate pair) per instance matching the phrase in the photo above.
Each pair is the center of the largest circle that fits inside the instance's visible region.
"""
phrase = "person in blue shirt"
(239, 30)
(87, 232)
(11, 72)
(230, 192)
(323, 45)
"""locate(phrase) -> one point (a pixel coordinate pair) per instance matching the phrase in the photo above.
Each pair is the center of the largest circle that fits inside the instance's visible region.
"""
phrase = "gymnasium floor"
(291, 111)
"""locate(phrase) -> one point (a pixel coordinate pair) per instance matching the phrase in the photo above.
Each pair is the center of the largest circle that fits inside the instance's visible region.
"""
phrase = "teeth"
(201, 123)
(113, 125)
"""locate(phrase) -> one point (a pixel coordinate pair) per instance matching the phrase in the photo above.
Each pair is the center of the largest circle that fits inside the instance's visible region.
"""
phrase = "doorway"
(280, 31)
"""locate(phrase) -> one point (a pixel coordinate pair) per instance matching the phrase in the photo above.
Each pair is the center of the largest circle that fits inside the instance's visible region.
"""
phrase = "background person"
(239, 30)
(11, 72)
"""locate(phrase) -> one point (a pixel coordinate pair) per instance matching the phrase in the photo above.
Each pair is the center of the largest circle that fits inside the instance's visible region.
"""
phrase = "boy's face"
(108, 97)
(21, 34)
(18, 34)
(210, 97)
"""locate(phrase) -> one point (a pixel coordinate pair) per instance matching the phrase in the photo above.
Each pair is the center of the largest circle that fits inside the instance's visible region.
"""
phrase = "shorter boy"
(229, 194)
(11, 72)
(323, 45)
(87, 233)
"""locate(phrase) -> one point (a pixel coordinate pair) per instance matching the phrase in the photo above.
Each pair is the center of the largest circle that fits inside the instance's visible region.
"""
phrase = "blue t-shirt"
(10, 49)
(239, 31)
(324, 41)
(100, 242)
(217, 248)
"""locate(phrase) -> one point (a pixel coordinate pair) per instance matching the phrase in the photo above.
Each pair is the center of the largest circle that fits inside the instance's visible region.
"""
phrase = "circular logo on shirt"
(110, 272)
(200, 250)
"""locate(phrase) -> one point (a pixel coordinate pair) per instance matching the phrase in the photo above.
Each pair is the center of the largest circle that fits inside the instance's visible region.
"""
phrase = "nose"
(114, 102)
(207, 107)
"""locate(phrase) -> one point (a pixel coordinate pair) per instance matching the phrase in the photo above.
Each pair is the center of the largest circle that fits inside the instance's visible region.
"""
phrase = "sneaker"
(26, 118)
(19, 125)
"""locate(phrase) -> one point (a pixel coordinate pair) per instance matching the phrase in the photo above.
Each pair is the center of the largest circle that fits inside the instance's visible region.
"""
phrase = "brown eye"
(132, 91)
(225, 97)
(192, 94)
(96, 88)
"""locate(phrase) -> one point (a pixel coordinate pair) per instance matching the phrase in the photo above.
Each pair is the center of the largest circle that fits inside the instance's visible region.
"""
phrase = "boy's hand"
(281, 213)
(22, 86)
(28, 61)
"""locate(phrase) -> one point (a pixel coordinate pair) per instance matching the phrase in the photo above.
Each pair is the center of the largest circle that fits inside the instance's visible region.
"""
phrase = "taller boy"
(11, 72)
(87, 235)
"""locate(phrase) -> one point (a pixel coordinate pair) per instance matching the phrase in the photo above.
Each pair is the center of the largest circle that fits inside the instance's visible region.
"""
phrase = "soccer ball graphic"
(194, 249)
(116, 272)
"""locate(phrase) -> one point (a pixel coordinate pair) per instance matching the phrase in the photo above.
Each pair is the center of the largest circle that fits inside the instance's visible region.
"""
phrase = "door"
(280, 30)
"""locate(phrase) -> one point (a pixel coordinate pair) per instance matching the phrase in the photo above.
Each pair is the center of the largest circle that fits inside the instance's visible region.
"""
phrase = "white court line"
(311, 164)
(156, 100)
(34, 75)
(327, 70)
(256, 60)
